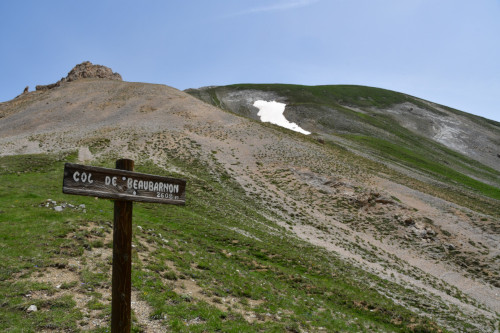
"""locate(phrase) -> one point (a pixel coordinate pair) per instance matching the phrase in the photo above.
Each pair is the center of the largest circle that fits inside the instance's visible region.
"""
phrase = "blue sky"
(445, 51)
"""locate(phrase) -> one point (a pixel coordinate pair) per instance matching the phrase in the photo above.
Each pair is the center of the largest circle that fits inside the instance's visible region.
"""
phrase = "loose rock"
(32, 308)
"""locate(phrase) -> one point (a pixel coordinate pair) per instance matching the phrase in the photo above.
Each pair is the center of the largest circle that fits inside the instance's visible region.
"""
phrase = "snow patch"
(272, 112)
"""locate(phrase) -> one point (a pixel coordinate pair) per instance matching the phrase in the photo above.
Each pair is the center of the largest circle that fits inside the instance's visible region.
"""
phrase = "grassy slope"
(411, 158)
(400, 145)
(288, 285)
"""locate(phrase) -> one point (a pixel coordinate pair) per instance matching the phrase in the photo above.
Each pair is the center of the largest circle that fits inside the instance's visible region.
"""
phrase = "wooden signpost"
(124, 186)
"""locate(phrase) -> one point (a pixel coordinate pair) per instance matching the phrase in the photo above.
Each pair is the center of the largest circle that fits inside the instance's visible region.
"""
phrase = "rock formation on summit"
(85, 70)
(88, 70)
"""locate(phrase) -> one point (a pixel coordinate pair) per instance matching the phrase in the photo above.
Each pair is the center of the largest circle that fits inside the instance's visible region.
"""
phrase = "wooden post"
(122, 260)
(124, 186)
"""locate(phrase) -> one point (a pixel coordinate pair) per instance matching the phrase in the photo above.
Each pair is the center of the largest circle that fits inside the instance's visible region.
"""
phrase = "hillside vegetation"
(281, 232)
(216, 264)
(446, 144)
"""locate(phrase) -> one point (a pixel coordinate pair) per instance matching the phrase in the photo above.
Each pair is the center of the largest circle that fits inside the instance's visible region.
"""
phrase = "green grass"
(331, 94)
(287, 284)
(419, 161)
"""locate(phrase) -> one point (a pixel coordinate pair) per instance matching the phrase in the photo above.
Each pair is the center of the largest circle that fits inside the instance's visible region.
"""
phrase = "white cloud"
(280, 6)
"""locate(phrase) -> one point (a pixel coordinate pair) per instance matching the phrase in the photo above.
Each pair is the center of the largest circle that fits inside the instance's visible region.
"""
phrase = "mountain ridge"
(353, 98)
(379, 118)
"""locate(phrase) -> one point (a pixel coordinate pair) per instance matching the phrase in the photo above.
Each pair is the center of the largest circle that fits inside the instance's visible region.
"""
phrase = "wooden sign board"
(125, 186)
(122, 185)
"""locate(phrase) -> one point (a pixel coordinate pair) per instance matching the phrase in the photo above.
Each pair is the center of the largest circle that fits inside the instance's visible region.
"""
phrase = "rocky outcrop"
(88, 70)
(85, 70)
(50, 86)
(25, 91)
(370, 199)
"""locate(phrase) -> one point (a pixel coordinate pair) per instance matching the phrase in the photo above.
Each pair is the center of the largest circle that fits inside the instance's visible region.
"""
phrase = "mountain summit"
(85, 70)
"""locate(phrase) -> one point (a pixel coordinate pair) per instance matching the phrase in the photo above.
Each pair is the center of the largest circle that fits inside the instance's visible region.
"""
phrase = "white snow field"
(272, 112)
